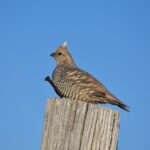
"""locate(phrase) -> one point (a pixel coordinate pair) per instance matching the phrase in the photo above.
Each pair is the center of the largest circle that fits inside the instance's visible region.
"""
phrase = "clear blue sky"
(109, 39)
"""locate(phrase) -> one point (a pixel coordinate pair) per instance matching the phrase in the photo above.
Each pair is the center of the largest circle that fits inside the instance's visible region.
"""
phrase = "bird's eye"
(59, 53)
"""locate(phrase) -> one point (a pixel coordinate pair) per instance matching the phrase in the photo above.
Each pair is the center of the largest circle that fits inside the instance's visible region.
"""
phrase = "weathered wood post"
(71, 125)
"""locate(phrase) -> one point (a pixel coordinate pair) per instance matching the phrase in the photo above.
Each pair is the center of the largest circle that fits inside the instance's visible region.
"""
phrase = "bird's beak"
(53, 54)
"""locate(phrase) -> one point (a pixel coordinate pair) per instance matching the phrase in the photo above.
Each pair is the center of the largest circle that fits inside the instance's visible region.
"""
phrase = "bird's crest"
(64, 44)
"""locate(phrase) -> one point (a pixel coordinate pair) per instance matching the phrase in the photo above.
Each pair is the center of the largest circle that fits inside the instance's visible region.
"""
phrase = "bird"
(69, 81)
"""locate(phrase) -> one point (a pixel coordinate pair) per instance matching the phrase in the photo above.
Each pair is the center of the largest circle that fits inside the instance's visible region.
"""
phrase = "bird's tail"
(117, 102)
(123, 106)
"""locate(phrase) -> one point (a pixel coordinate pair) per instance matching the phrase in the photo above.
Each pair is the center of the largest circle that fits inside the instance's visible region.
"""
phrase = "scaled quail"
(69, 81)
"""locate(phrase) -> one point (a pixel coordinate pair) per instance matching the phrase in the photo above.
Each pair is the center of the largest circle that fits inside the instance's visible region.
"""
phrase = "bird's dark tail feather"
(118, 103)
(123, 106)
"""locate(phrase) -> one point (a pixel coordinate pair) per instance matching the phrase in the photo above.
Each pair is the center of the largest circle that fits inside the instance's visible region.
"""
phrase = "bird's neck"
(67, 62)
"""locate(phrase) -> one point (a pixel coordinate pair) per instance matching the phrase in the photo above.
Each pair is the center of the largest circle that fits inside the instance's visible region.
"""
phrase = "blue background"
(109, 39)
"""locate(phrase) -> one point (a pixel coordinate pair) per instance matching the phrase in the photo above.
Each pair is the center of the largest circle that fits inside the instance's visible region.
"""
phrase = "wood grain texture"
(76, 125)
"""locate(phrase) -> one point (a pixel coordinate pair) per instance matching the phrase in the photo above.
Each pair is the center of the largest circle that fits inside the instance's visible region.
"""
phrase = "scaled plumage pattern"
(71, 82)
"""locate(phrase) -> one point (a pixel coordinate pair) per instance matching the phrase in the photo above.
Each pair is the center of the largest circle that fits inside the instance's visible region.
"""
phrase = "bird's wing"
(84, 80)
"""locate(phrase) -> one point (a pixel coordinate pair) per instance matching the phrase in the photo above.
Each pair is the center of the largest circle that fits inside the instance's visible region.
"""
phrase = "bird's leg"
(47, 78)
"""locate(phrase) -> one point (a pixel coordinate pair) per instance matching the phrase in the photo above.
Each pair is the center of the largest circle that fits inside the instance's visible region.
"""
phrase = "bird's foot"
(47, 78)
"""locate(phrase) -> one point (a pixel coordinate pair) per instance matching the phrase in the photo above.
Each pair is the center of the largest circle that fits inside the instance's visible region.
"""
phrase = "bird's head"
(62, 56)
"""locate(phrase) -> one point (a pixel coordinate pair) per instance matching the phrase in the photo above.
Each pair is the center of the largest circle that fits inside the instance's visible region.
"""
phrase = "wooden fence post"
(77, 125)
